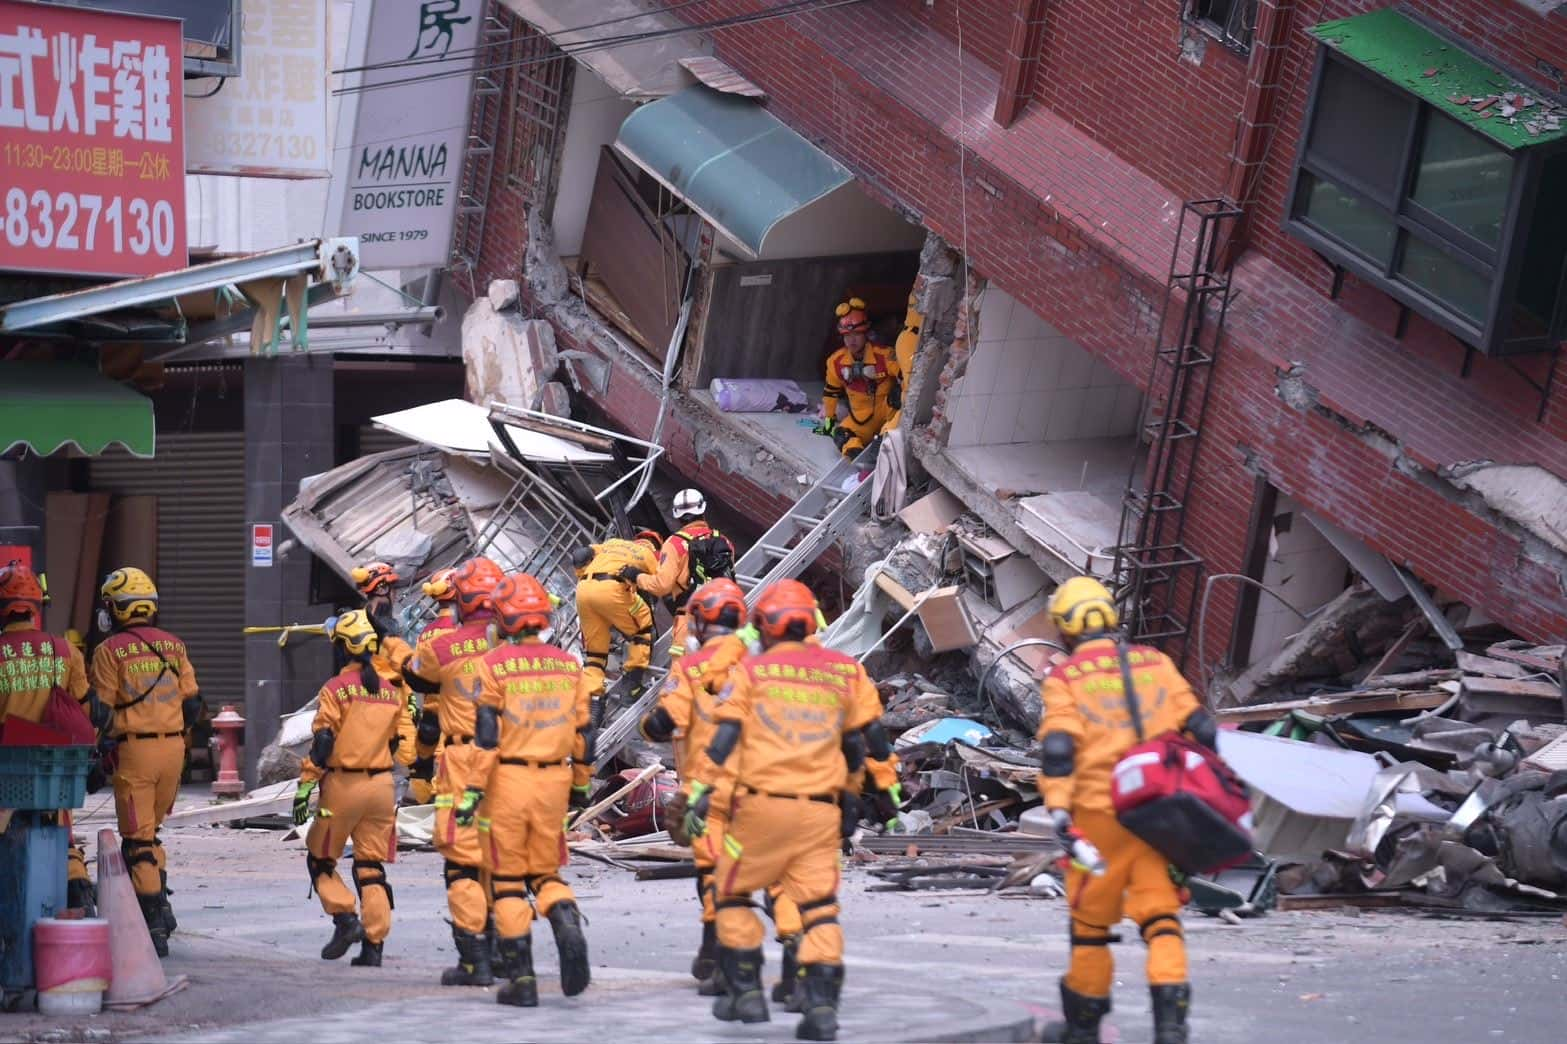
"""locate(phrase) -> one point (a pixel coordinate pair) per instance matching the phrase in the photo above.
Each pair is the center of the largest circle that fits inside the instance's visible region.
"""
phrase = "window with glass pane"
(1454, 285)
(1462, 179)
(1356, 222)
(1540, 275)
(1360, 127)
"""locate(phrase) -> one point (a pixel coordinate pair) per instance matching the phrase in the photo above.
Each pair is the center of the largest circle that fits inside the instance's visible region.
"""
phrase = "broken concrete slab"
(507, 358)
(1308, 797)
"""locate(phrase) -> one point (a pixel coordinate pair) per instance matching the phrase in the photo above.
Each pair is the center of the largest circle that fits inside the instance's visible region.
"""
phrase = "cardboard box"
(945, 620)
(932, 513)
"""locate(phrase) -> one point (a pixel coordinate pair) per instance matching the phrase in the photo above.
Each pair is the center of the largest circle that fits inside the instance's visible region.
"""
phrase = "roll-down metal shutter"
(199, 480)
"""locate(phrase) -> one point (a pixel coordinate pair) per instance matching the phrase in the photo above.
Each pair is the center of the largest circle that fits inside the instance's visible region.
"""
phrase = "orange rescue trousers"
(522, 822)
(355, 806)
(790, 842)
(467, 895)
(145, 786)
(1136, 884)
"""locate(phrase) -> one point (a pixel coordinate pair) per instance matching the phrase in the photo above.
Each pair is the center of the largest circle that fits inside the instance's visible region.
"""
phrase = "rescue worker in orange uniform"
(794, 723)
(685, 716)
(421, 771)
(867, 376)
(144, 674)
(357, 729)
(533, 727)
(33, 663)
(447, 667)
(375, 581)
(694, 554)
(1087, 726)
(608, 600)
(903, 350)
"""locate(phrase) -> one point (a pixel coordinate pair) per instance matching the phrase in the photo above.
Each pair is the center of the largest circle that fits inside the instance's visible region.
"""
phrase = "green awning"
(732, 160)
(1444, 75)
(48, 406)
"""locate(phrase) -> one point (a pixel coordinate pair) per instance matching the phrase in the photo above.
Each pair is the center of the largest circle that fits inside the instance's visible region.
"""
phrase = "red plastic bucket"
(71, 965)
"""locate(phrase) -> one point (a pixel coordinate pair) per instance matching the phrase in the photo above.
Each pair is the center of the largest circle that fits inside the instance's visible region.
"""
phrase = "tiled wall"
(1029, 383)
(1302, 567)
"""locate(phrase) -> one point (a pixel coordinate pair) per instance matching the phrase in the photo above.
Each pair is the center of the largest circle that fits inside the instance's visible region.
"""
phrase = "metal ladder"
(796, 540)
(484, 132)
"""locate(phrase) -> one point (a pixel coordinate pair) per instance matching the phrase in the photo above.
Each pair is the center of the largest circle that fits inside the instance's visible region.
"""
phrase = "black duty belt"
(608, 576)
(147, 735)
(535, 764)
(451, 740)
(826, 799)
(361, 772)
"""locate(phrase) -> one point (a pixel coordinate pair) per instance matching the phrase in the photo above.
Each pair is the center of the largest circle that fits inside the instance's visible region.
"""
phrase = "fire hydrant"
(228, 724)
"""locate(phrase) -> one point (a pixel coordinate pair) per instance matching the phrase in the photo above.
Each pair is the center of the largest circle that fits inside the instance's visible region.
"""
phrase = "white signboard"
(271, 120)
(261, 545)
(403, 125)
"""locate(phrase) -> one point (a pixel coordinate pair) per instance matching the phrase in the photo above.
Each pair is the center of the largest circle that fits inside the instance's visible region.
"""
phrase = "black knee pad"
(505, 886)
(735, 902)
(135, 851)
(1160, 924)
(429, 731)
(809, 923)
(316, 867)
(704, 881)
(372, 874)
(457, 872)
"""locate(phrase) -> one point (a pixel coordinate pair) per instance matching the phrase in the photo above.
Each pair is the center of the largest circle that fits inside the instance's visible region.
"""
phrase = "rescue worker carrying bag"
(1180, 798)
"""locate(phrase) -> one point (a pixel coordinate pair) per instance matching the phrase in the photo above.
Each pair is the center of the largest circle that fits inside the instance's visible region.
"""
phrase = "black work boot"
(572, 946)
(706, 960)
(79, 895)
(636, 681)
(516, 967)
(787, 991)
(169, 923)
(152, 913)
(346, 930)
(1082, 1019)
(369, 955)
(818, 989)
(473, 960)
(742, 999)
(1170, 1004)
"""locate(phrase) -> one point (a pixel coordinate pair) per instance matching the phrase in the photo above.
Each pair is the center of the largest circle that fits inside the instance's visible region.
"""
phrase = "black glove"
(422, 768)
(849, 807)
(629, 573)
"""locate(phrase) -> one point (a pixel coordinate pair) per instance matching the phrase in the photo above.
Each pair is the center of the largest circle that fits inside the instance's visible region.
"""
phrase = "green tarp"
(1444, 75)
(48, 406)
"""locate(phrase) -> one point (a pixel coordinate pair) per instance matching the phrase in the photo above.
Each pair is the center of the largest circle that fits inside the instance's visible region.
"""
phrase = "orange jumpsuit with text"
(144, 673)
(356, 802)
(606, 603)
(421, 787)
(674, 581)
(452, 661)
(794, 703)
(542, 698)
(1084, 697)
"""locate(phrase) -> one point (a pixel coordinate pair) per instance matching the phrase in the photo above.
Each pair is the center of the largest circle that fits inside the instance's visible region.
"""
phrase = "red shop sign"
(92, 141)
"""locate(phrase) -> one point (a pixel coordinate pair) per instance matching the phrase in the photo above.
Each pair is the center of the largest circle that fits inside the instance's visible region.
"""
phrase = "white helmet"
(689, 503)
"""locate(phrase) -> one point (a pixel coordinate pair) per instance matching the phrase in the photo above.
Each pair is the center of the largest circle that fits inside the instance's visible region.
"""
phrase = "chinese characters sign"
(271, 120)
(92, 153)
(403, 127)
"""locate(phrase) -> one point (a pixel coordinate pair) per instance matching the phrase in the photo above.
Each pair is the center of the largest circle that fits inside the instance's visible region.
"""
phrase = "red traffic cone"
(137, 978)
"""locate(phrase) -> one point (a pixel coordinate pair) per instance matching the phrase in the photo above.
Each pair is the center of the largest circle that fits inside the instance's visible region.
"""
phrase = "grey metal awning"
(322, 260)
(734, 162)
(637, 69)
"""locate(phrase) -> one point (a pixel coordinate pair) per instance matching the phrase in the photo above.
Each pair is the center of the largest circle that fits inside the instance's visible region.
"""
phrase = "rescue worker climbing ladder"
(798, 720)
(533, 727)
(447, 667)
(1090, 720)
(358, 727)
(145, 676)
(694, 554)
(607, 601)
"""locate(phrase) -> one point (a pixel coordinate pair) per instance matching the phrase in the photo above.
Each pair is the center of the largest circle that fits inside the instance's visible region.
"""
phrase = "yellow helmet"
(1083, 606)
(130, 594)
(353, 631)
(372, 577)
(439, 586)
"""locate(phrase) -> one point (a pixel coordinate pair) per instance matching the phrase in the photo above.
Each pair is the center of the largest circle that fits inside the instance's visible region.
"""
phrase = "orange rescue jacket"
(452, 661)
(143, 673)
(542, 699)
(364, 722)
(32, 664)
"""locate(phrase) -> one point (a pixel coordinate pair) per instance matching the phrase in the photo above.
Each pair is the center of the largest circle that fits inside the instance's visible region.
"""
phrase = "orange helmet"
(784, 604)
(717, 603)
(373, 577)
(473, 583)
(20, 591)
(852, 317)
(651, 537)
(521, 604)
(439, 585)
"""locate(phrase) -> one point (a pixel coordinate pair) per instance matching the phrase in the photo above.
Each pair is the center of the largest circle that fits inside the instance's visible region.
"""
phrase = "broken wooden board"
(1532, 699)
(1375, 701)
(1535, 658)
(1473, 663)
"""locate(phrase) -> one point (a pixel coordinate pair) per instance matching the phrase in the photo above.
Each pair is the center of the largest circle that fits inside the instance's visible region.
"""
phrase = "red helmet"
(521, 604)
(373, 577)
(717, 603)
(783, 605)
(474, 581)
(651, 537)
(20, 591)
(852, 317)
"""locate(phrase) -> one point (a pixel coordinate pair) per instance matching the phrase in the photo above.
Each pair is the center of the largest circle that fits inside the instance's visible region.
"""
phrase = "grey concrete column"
(289, 433)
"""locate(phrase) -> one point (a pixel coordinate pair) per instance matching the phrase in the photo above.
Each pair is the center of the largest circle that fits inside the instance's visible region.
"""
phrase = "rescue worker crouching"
(447, 667)
(686, 715)
(608, 601)
(533, 726)
(867, 376)
(33, 664)
(794, 723)
(421, 770)
(357, 729)
(1088, 724)
(694, 554)
(145, 676)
